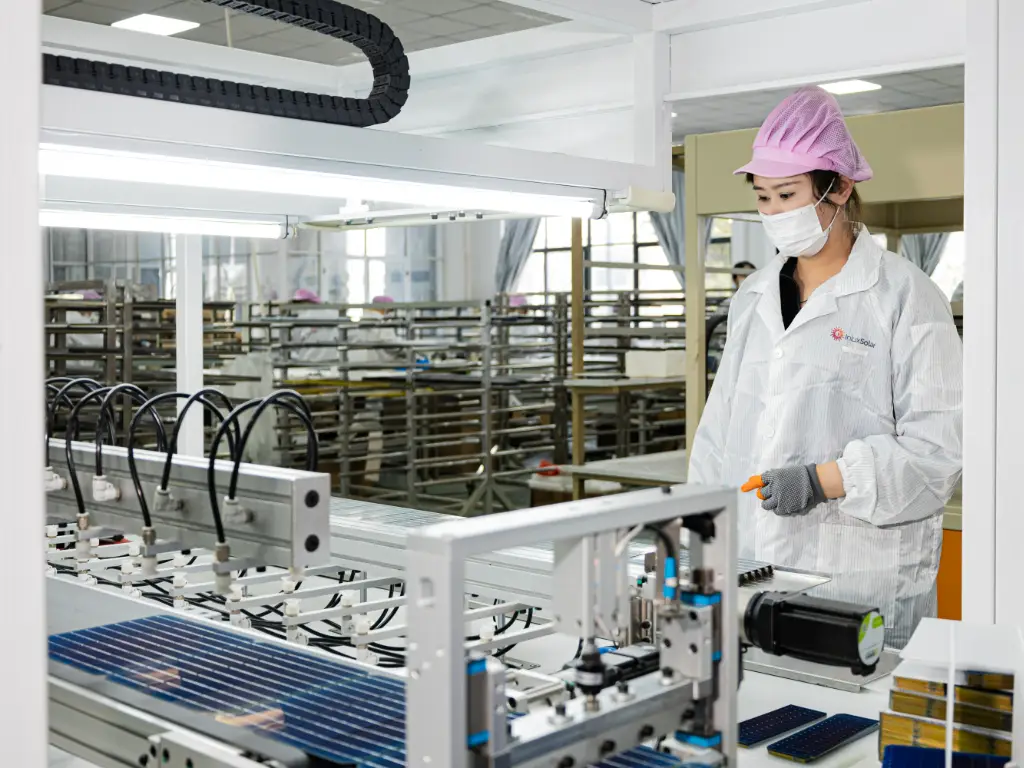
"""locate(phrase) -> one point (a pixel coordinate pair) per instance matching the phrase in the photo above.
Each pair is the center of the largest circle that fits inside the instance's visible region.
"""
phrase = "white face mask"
(798, 232)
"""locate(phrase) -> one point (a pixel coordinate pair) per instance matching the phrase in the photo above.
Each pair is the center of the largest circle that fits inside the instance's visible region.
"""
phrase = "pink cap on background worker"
(304, 294)
(91, 295)
(806, 132)
(383, 300)
(517, 300)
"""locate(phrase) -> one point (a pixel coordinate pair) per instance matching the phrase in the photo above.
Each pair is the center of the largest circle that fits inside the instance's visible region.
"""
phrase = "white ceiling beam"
(705, 61)
(693, 15)
(104, 120)
(616, 15)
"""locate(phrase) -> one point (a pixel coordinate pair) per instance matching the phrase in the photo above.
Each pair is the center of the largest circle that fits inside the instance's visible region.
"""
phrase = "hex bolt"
(608, 747)
(646, 732)
(667, 643)
(693, 648)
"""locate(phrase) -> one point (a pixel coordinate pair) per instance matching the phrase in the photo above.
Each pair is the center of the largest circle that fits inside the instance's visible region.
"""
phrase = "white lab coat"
(869, 373)
(380, 341)
(309, 335)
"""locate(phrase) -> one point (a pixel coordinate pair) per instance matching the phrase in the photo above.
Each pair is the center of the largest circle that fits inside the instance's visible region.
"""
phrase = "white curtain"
(924, 250)
(516, 246)
(671, 227)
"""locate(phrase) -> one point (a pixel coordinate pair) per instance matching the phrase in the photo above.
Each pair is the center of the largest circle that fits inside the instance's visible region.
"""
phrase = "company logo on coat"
(838, 334)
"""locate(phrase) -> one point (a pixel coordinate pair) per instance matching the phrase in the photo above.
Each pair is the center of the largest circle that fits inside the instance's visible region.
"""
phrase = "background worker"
(840, 390)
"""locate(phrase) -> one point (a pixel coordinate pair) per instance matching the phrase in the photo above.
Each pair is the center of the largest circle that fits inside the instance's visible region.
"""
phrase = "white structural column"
(652, 115)
(985, 175)
(1007, 169)
(23, 730)
(188, 251)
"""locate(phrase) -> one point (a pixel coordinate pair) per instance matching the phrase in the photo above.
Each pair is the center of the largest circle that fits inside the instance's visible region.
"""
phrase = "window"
(949, 272)
(365, 269)
(620, 238)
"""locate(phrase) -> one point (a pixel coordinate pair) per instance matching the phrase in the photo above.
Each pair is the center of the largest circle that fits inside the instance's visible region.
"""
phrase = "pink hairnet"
(517, 300)
(304, 294)
(91, 295)
(806, 132)
(383, 300)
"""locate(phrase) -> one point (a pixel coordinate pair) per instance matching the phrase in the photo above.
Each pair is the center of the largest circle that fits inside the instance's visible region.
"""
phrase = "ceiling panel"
(927, 88)
(420, 24)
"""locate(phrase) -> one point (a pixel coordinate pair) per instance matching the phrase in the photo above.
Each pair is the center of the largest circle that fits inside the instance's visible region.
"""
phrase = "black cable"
(502, 651)
(259, 405)
(88, 385)
(72, 432)
(107, 411)
(282, 398)
(202, 397)
(133, 426)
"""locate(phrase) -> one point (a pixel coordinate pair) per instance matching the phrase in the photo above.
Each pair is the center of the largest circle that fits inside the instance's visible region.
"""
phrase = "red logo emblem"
(838, 334)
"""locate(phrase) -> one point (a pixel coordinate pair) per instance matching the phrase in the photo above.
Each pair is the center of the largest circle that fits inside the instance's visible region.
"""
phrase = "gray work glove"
(789, 490)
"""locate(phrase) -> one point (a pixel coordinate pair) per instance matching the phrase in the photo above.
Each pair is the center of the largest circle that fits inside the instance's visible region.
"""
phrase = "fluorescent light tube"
(80, 162)
(165, 224)
(155, 25)
(846, 87)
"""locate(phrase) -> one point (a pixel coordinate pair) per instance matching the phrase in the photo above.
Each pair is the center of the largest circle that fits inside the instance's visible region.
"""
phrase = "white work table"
(760, 693)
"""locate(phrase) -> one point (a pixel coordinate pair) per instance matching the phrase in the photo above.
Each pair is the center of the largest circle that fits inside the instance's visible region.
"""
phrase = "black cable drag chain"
(368, 33)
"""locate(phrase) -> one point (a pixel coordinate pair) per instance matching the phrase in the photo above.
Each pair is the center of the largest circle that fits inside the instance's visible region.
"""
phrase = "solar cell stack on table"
(332, 711)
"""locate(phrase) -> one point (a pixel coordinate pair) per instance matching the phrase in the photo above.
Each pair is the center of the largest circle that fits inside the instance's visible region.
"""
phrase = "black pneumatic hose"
(211, 474)
(138, 396)
(203, 396)
(133, 426)
(282, 397)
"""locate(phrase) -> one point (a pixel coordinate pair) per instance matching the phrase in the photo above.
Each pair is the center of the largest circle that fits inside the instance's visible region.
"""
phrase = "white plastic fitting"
(52, 531)
(127, 568)
(53, 481)
(237, 592)
(222, 583)
(179, 561)
(348, 599)
(179, 581)
(134, 549)
(288, 585)
(362, 625)
(487, 631)
(104, 490)
(291, 608)
(149, 565)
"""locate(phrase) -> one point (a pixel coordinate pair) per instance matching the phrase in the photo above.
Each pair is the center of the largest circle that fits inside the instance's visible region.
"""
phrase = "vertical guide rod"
(578, 325)
(23, 728)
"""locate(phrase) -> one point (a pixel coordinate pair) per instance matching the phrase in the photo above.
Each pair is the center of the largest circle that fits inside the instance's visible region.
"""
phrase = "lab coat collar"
(858, 274)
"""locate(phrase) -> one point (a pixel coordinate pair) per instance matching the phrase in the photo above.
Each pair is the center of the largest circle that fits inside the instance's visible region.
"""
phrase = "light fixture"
(675, 114)
(155, 25)
(86, 163)
(846, 87)
(173, 225)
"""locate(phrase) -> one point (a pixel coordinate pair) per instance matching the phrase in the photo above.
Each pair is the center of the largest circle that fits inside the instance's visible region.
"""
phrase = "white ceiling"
(420, 24)
(925, 88)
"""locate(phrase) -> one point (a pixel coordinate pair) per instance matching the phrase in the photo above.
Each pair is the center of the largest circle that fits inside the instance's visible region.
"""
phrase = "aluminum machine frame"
(456, 716)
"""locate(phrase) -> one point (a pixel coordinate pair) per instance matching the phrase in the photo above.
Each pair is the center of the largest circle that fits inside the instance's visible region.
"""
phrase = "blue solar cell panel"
(328, 710)
(927, 757)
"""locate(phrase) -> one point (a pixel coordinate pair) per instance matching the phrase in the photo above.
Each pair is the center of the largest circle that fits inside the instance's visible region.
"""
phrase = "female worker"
(840, 386)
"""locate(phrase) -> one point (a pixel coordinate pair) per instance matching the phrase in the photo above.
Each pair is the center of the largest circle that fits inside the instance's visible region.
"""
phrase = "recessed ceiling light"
(675, 114)
(155, 25)
(845, 87)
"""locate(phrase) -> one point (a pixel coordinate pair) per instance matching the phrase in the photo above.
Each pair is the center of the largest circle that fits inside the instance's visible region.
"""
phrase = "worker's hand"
(789, 490)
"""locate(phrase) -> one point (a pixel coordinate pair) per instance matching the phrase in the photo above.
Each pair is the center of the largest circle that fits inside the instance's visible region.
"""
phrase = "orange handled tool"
(755, 481)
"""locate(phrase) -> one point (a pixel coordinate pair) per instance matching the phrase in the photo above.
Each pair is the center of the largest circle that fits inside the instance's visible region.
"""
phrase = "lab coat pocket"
(854, 352)
(863, 562)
